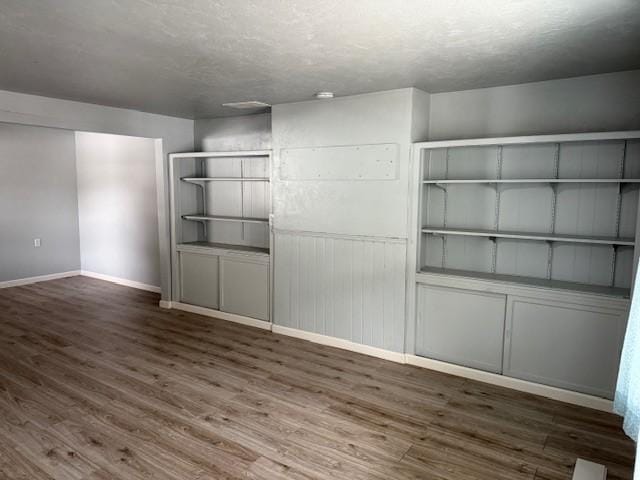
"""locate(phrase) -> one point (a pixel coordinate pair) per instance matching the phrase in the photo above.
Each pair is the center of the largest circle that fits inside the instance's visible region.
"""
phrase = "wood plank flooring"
(98, 383)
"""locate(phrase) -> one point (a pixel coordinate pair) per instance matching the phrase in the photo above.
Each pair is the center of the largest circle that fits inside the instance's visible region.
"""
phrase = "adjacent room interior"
(290, 240)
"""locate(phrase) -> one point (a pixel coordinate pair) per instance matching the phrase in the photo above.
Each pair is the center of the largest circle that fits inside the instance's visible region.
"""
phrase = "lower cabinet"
(569, 346)
(461, 326)
(570, 341)
(244, 287)
(228, 282)
(199, 279)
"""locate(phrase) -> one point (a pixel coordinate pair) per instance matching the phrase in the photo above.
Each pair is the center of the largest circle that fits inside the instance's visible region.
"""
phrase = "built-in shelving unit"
(526, 250)
(553, 210)
(226, 193)
(221, 237)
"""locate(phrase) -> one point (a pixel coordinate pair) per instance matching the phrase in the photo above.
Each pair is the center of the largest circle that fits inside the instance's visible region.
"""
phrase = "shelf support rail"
(496, 221)
(614, 251)
(554, 206)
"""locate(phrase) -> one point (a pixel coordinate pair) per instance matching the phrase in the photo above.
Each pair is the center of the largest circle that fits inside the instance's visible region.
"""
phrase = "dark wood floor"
(97, 382)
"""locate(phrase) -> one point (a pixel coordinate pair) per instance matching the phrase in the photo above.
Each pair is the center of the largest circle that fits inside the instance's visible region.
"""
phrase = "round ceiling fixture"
(323, 95)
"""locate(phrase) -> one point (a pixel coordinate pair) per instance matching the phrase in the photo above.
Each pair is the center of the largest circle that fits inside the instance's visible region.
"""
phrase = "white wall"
(117, 207)
(37, 200)
(176, 135)
(583, 104)
(247, 132)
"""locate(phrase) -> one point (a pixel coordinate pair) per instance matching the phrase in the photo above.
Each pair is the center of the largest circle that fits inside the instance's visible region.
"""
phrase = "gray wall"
(39, 200)
(117, 206)
(173, 135)
(248, 132)
(582, 104)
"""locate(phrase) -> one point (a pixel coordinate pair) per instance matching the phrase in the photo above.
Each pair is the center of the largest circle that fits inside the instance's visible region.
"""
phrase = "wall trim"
(39, 278)
(340, 343)
(208, 312)
(121, 281)
(547, 391)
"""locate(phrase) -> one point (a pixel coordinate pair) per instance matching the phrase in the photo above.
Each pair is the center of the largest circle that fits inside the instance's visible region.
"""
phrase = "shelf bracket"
(441, 186)
(614, 255)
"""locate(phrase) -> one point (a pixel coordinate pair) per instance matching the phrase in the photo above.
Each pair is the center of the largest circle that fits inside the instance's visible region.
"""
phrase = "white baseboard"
(165, 304)
(340, 343)
(39, 278)
(554, 393)
(231, 317)
(121, 281)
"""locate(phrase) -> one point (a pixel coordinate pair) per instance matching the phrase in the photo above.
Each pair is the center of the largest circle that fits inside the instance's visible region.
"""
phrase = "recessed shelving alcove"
(538, 228)
(221, 238)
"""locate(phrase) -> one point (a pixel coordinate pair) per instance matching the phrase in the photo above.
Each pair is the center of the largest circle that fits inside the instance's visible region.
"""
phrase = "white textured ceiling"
(186, 57)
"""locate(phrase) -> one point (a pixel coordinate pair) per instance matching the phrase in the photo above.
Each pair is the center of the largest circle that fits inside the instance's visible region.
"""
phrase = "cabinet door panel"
(461, 326)
(199, 279)
(564, 345)
(245, 287)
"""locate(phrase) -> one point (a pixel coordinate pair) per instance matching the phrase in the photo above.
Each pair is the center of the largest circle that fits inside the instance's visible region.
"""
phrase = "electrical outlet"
(36, 242)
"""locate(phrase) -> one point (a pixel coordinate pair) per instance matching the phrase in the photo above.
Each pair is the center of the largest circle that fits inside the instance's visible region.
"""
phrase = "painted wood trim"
(340, 236)
(414, 211)
(521, 290)
(166, 304)
(340, 343)
(121, 281)
(571, 137)
(222, 252)
(554, 393)
(236, 153)
(40, 278)
(231, 317)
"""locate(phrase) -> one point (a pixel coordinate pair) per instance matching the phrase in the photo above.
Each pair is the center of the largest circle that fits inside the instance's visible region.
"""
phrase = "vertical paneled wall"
(345, 287)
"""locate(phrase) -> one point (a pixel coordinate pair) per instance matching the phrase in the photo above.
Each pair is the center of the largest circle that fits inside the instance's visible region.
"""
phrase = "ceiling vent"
(246, 105)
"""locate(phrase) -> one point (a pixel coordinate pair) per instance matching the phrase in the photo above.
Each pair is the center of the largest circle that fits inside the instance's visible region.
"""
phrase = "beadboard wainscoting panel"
(341, 286)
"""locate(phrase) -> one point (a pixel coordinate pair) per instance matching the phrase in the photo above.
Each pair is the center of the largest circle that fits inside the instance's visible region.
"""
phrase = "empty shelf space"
(202, 218)
(530, 281)
(190, 246)
(547, 237)
(224, 179)
(535, 180)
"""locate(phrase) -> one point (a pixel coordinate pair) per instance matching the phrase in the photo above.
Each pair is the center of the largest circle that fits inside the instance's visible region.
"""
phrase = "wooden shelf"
(530, 281)
(223, 179)
(240, 153)
(222, 218)
(191, 246)
(535, 180)
(546, 237)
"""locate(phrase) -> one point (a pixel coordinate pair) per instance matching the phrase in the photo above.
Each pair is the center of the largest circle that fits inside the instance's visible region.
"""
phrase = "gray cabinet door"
(565, 345)
(245, 287)
(461, 326)
(199, 279)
